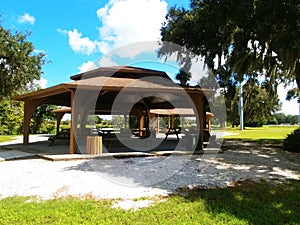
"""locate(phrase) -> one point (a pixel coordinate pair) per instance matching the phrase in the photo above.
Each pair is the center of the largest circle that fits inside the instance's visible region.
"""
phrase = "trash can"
(94, 145)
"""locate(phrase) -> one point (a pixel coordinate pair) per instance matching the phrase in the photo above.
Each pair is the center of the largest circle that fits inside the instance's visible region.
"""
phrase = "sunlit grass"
(266, 134)
(254, 203)
(5, 138)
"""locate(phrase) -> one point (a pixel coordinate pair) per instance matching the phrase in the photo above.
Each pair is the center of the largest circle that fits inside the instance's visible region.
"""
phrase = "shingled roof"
(120, 72)
(108, 79)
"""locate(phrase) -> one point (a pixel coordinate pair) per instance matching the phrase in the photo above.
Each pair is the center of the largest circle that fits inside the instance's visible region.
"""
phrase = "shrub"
(292, 142)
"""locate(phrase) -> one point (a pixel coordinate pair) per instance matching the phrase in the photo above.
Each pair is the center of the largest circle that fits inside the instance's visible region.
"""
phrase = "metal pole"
(241, 108)
(299, 112)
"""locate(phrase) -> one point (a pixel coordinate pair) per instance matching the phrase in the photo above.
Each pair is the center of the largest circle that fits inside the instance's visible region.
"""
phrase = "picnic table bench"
(64, 134)
(173, 131)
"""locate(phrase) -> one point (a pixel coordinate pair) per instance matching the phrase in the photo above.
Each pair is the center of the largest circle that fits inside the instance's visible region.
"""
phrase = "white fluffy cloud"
(103, 62)
(123, 22)
(106, 61)
(42, 83)
(26, 18)
(130, 21)
(87, 66)
(84, 45)
(198, 70)
(81, 44)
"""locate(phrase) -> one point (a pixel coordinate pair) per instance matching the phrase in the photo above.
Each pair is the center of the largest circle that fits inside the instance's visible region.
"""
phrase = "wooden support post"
(153, 121)
(208, 122)
(173, 121)
(59, 116)
(157, 123)
(204, 116)
(141, 124)
(198, 102)
(30, 105)
(73, 146)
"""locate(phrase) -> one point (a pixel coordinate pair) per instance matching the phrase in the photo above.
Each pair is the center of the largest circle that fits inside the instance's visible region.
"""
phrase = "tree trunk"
(297, 72)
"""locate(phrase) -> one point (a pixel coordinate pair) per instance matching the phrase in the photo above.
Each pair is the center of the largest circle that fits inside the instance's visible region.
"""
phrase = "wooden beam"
(141, 123)
(59, 116)
(157, 123)
(198, 102)
(30, 105)
(73, 146)
(173, 121)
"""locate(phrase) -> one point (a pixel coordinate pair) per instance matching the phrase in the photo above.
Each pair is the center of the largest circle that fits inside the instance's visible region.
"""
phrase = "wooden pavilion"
(136, 90)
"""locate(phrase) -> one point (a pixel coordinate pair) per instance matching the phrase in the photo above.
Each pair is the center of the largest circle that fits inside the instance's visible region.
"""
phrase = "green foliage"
(177, 121)
(65, 124)
(20, 67)
(19, 64)
(11, 117)
(183, 77)
(261, 36)
(258, 103)
(281, 118)
(292, 142)
(247, 203)
(41, 121)
(105, 124)
(252, 38)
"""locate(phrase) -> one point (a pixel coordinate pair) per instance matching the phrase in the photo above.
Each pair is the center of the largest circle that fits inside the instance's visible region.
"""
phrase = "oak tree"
(20, 64)
(249, 35)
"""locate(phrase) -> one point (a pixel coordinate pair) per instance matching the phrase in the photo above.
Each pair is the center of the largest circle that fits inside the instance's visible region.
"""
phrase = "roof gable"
(120, 72)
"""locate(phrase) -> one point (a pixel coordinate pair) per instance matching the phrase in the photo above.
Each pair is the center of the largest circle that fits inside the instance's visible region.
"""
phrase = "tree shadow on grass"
(263, 141)
(254, 203)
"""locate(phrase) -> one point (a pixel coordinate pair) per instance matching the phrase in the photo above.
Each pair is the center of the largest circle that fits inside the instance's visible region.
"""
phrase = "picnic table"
(64, 134)
(173, 130)
(108, 132)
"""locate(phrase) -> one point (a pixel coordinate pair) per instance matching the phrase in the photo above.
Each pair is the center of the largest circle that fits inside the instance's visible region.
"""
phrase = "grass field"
(266, 135)
(247, 204)
(5, 138)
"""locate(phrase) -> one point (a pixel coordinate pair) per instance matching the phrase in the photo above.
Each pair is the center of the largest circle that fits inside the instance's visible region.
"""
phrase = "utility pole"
(241, 107)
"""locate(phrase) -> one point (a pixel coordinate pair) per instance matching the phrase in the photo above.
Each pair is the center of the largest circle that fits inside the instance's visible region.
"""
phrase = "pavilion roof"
(60, 94)
(121, 72)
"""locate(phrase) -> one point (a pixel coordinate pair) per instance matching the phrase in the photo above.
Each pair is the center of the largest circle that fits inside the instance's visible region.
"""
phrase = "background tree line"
(281, 118)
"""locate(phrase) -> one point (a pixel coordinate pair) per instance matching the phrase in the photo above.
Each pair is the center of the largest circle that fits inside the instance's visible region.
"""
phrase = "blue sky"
(68, 31)
(77, 35)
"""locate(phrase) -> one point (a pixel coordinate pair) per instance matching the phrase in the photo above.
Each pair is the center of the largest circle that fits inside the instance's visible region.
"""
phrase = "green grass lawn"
(5, 138)
(262, 135)
(260, 203)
